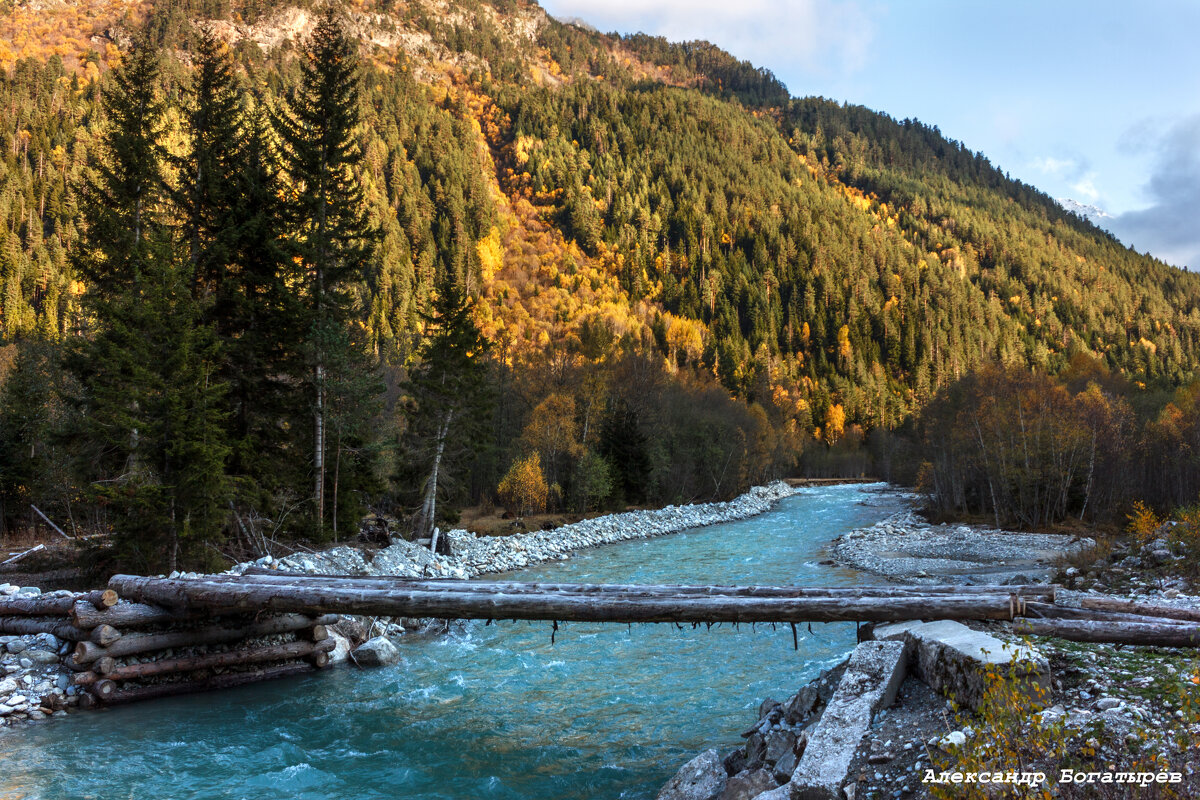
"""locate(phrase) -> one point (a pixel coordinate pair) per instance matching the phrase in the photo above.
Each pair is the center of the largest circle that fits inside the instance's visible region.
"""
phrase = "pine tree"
(451, 402)
(334, 240)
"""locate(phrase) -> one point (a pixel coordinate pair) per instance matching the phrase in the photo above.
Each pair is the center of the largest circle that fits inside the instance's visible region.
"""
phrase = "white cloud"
(820, 35)
(1057, 167)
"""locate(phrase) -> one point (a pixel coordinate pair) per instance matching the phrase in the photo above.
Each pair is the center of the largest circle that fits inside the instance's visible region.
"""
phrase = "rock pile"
(773, 748)
(34, 684)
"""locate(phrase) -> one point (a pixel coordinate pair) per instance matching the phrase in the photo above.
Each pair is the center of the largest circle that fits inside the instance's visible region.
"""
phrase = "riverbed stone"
(748, 784)
(377, 652)
(702, 778)
(956, 661)
(870, 682)
(42, 656)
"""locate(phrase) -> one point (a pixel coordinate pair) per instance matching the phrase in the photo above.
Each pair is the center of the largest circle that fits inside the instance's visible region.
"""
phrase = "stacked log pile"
(126, 651)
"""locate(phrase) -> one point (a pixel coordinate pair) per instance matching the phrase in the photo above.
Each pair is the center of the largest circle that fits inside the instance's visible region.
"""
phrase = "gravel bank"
(482, 555)
(906, 548)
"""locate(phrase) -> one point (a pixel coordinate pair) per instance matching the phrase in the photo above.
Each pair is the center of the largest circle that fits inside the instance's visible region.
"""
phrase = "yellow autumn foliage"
(523, 488)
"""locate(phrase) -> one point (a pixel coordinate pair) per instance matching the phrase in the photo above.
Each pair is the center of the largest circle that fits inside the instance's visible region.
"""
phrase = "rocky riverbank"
(35, 683)
(1106, 708)
(474, 555)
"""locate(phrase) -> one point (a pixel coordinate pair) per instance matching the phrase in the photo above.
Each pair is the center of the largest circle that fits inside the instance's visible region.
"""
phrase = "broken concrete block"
(871, 680)
(955, 660)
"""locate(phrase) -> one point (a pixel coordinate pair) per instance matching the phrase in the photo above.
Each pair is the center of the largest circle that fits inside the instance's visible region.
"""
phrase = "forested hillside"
(646, 273)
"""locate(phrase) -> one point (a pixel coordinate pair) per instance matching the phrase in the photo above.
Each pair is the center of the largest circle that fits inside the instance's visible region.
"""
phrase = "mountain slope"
(820, 259)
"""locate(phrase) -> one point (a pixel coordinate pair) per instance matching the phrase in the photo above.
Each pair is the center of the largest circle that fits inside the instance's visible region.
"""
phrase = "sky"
(1098, 101)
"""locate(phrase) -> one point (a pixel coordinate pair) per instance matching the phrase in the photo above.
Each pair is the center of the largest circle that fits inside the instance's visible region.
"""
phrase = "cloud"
(1170, 227)
(1057, 167)
(825, 36)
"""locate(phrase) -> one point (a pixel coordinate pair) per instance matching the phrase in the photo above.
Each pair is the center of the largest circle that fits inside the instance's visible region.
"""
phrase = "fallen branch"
(59, 530)
(19, 556)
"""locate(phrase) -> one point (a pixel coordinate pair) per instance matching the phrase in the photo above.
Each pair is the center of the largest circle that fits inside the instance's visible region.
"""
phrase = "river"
(489, 711)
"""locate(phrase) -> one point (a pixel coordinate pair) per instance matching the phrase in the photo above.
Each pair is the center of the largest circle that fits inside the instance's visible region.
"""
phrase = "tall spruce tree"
(334, 240)
(234, 231)
(451, 403)
(148, 366)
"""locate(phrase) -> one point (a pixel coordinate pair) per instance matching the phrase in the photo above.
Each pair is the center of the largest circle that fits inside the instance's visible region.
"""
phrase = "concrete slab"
(872, 678)
(955, 660)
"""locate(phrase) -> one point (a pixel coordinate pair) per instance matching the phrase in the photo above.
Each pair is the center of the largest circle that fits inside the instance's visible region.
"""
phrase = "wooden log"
(1049, 611)
(1141, 609)
(231, 658)
(319, 633)
(1136, 633)
(261, 575)
(227, 597)
(135, 643)
(85, 678)
(105, 635)
(320, 658)
(103, 688)
(53, 606)
(224, 681)
(58, 626)
(125, 615)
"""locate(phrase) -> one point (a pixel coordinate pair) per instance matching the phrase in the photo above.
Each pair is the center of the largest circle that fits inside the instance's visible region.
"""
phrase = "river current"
(489, 711)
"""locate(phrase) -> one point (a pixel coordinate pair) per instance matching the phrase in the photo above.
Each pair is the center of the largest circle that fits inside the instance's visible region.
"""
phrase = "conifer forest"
(260, 279)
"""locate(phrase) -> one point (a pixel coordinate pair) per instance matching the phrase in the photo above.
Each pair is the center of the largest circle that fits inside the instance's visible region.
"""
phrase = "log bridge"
(169, 636)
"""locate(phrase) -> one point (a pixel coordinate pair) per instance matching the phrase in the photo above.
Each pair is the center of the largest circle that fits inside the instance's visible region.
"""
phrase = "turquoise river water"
(606, 711)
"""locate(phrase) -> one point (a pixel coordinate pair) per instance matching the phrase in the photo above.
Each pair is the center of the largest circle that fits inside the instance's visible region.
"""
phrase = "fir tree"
(334, 240)
(152, 400)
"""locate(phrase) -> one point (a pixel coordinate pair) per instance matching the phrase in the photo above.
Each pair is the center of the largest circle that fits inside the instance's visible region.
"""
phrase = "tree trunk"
(625, 607)
(1137, 633)
(263, 576)
(26, 625)
(225, 681)
(125, 615)
(1141, 609)
(319, 443)
(49, 606)
(428, 513)
(134, 643)
(251, 655)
